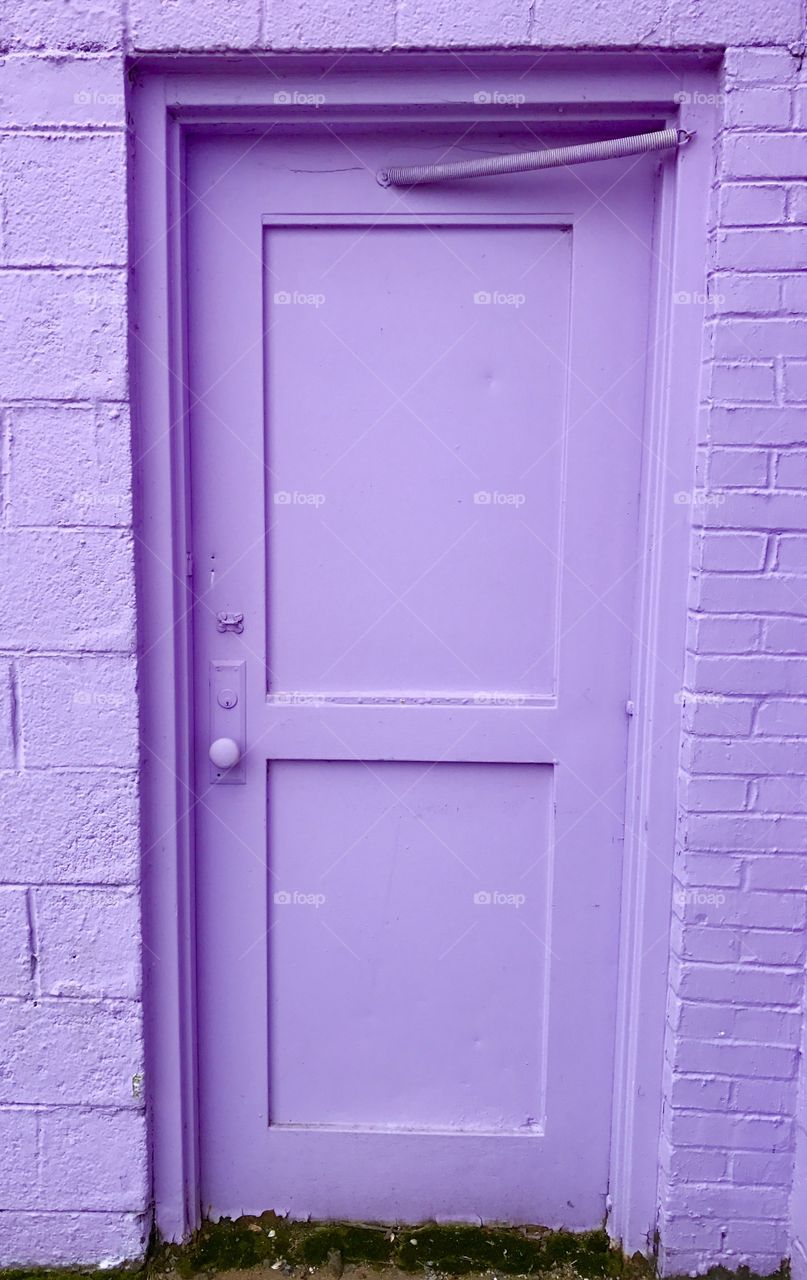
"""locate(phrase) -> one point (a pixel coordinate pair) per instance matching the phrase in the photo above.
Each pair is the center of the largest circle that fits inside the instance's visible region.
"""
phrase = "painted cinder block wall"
(74, 1178)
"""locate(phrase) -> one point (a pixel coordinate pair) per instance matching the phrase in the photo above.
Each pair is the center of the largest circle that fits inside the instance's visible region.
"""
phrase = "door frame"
(170, 97)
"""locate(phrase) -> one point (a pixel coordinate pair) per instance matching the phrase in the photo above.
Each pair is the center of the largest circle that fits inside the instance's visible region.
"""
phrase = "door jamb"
(171, 96)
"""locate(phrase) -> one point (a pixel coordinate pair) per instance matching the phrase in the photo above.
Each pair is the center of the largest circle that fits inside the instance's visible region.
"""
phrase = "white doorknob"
(224, 753)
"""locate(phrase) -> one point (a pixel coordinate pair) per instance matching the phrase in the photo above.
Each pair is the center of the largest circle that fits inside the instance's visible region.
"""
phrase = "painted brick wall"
(738, 936)
(74, 1166)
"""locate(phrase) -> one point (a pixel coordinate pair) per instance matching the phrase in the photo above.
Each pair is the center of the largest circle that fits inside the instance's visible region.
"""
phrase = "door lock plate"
(227, 716)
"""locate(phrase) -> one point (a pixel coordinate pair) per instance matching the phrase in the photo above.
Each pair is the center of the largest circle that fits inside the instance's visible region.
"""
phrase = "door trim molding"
(672, 400)
(172, 96)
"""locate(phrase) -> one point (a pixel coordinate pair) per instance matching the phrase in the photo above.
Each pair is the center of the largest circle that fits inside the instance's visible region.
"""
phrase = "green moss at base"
(137, 1272)
(278, 1244)
(452, 1249)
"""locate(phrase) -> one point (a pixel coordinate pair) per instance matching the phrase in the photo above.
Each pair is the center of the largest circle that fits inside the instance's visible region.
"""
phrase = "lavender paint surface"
(446, 668)
(74, 1177)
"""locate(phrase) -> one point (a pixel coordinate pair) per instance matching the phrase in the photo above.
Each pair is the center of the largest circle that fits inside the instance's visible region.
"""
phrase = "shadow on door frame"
(170, 97)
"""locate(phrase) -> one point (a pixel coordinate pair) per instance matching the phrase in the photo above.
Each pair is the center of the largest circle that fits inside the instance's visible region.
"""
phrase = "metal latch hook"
(230, 622)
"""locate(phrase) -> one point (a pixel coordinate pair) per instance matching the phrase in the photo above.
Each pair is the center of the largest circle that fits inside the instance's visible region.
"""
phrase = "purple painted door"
(416, 424)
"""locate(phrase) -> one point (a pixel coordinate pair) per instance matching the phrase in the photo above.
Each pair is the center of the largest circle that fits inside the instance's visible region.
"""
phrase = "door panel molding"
(173, 97)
